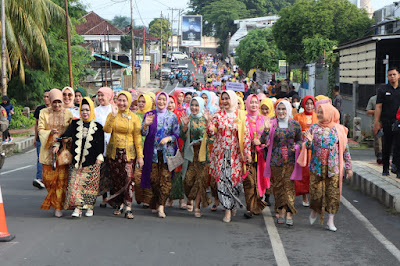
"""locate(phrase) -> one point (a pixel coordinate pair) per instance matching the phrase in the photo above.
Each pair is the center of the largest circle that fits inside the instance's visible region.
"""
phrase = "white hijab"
(284, 122)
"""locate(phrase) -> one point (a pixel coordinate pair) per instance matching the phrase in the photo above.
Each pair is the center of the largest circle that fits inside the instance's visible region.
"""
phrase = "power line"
(137, 9)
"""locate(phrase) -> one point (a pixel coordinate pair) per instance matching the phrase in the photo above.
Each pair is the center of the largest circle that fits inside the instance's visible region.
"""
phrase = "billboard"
(192, 30)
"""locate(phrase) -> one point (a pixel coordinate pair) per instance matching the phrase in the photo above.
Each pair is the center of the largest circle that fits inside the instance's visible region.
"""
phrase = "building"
(364, 4)
(246, 25)
(387, 19)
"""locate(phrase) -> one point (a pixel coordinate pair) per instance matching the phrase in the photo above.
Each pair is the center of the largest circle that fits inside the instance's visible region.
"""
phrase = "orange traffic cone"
(4, 234)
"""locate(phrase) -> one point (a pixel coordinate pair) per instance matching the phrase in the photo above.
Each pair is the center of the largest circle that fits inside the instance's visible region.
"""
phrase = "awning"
(112, 60)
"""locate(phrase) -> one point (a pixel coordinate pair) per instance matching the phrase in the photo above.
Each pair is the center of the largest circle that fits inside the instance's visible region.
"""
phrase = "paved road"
(181, 239)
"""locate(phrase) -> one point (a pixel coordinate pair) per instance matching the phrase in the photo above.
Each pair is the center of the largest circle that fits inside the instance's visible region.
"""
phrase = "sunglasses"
(67, 94)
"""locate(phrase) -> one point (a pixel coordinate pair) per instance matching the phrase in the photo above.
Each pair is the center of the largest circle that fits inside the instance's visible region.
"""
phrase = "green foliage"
(18, 119)
(334, 20)
(121, 22)
(155, 28)
(258, 50)
(316, 46)
(333, 63)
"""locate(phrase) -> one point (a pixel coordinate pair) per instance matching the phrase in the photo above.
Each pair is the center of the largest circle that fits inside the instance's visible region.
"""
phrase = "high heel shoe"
(119, 211)
(77, 213)
(331, 228)
(197, 213)
(312, 220)
(129, 215)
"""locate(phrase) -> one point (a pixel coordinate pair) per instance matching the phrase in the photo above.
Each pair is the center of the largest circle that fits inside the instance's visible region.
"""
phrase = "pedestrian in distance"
(38, 181)
(10, 111)
(370, 110)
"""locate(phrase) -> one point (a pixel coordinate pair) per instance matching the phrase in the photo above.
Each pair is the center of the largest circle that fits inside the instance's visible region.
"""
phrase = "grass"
(27, 134)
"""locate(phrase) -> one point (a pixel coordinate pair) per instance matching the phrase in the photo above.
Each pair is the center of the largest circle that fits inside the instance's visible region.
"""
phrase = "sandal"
(281, 220)
(214, 208)
(169, 204)
(289, 222)
(189, 208)
(119, 211)
(129, 215)
(197, 213)
(183, 206)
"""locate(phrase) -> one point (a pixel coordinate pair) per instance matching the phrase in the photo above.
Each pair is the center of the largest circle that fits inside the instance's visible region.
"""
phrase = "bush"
(18, 119)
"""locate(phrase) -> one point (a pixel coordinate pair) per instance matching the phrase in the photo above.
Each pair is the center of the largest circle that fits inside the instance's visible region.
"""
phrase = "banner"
(216, 83)
(192, 30)
(235, 86)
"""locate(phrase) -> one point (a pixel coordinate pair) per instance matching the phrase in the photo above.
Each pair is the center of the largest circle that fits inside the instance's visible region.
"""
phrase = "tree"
(258, 50)
(155, 29)
(121, 22)
(221, 14)
(261, 8)
(27, 22)
(334, 20)
(316, 46)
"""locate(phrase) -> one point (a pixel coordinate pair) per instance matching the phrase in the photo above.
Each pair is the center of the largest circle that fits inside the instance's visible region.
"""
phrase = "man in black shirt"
(387, 104)
(38, 181)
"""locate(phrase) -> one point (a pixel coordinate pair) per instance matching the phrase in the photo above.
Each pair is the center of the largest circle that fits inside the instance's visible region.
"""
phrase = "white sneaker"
(37, 183)
(77, 213)
(89, 213)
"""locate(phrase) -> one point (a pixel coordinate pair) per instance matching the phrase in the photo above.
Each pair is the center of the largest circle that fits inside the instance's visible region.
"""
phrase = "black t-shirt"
(37, 111)
(389, 97)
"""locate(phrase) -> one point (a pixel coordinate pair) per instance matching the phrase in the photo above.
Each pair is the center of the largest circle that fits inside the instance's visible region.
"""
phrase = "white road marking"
(372, 229)
(31, 150)
(17, 169)
(276, 242)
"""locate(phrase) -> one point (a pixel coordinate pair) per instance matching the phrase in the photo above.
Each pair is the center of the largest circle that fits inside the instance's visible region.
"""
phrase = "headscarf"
(166, 105)
(273, 99)
(249, 112)
(148, 104)
(283, 123)
(240, 100)
(152, 95)
(267, 102)
(330, 115)
(135, 94)
(81, 91)
(129, 97)
(239, 94)
(234, 101)
(5, 98)
(176, 94)
(87, 100)
(176, 111)
(108, 92)
(321, 97)
(303, 103)
(200, 101)
(209, 105)
(71, 104)
(261, 96)
(323, 101)
(55, 94)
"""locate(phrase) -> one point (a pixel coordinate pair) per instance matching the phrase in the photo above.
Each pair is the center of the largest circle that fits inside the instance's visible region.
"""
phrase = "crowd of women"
(158, 148)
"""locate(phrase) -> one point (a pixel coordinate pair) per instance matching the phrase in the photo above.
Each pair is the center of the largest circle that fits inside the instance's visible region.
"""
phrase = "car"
(179, 55)
(165, 71)
(170, 65)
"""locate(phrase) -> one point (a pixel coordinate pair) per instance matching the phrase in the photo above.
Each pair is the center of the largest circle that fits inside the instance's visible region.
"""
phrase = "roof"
(368, 39)
(96, 25)
(112, 60)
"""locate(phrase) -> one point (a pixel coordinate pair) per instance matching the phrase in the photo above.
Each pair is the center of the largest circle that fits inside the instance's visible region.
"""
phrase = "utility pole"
(3, 49)
(71, 81)
(161, 51)
(144, 44)
(179, 25)
(109, 57)
(172, 31)
(105, 61)
(133, 50)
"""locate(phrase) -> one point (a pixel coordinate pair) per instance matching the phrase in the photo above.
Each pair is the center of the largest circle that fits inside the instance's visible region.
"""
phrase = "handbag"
(175, 161)
(64, 156)
(396, 126)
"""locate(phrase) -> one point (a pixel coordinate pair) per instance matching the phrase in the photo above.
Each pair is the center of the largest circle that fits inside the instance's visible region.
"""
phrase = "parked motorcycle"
(171, 78)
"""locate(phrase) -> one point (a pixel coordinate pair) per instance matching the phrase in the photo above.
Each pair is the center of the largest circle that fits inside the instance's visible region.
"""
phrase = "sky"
(145, 11)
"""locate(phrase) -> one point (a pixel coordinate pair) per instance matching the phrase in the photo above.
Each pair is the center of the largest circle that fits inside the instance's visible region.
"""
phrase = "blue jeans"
(38, 165)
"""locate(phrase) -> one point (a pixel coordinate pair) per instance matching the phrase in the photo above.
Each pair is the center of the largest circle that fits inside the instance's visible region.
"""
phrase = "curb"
(370, 182)
(17, 146)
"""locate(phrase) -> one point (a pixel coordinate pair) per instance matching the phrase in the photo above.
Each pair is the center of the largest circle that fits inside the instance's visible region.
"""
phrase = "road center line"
(17, 169)
(372, 229)
(276, 242)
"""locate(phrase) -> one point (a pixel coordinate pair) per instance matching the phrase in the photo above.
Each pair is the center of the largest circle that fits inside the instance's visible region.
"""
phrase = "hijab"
(148, 104)
(209, 105)
(240, 100)
(234, 101)
(5, 98)
(261, 96)
(267, 102)
(330, 115)
(87, 100)
(303, 103)
(71, 104)
(200, 101)
(166, 105)
(108, 92)
(249, 112)
(175, 111)
(176, 94)
(55, 94)
(129, 97)
(81, 91)
(321, 97)
(284, 122)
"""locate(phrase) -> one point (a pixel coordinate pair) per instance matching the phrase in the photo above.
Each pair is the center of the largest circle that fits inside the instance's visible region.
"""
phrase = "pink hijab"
(108, 92)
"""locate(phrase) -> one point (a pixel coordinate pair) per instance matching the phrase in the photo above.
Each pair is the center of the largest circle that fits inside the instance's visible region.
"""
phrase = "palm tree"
(27, 22)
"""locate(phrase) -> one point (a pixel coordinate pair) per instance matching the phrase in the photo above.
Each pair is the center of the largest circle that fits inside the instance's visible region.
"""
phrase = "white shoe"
(58, 213)
(312, 220)
(89, 213)
(331, 228)
(37, 183)
(306, 204)
(77, 213)
(226, 219)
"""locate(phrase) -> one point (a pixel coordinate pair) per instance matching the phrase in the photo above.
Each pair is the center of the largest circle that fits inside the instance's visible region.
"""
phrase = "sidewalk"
(369, 180)
(19, 143)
